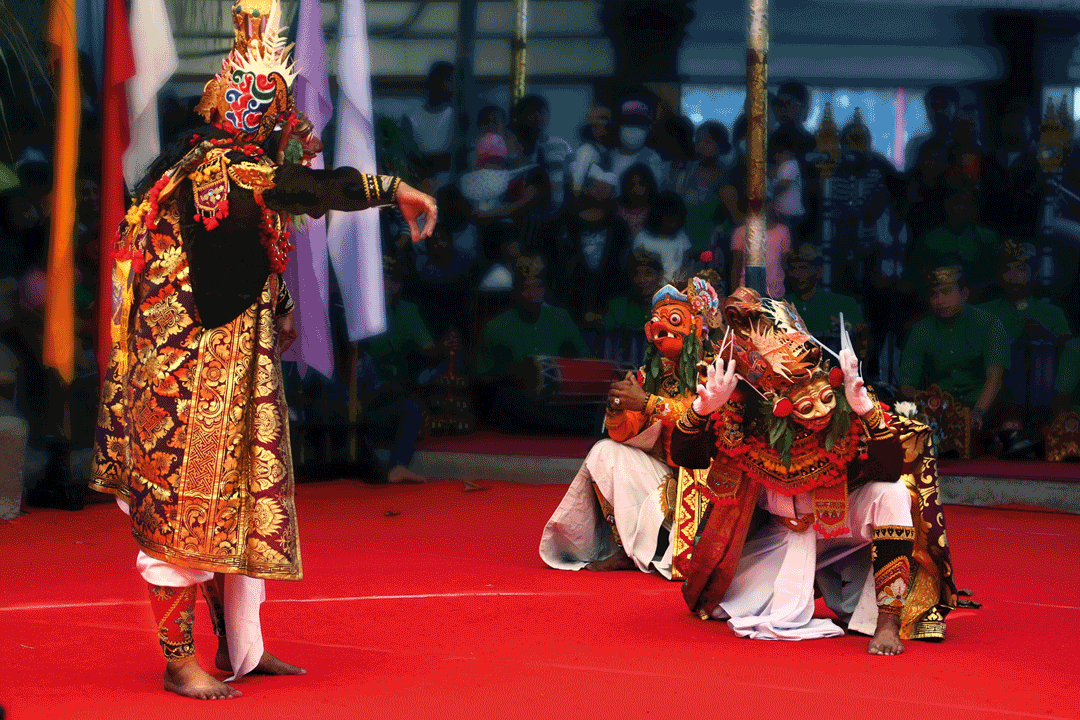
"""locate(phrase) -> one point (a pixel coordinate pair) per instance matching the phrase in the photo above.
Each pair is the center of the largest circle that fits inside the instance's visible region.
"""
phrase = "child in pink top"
(778, 247)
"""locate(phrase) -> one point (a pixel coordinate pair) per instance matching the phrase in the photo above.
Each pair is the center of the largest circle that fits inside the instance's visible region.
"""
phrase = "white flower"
(907, 409)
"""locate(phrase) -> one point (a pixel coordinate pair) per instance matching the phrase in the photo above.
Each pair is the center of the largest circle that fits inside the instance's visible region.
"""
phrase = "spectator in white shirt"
(594, 150)
(432, 125)
(663, 235)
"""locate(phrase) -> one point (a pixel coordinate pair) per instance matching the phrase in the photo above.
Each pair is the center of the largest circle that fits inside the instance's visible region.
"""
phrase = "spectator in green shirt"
(632, 310)
(960, 238)
(531, 328)
(960, 348)
(406, 340)
(820, 309)
(1022, 315)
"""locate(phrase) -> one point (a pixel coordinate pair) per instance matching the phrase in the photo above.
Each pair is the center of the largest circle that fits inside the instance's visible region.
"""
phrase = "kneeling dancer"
(617, 514)
(193, 435)
(805, 493)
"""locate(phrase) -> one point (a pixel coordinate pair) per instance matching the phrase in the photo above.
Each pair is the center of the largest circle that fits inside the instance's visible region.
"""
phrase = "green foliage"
(294, 151)
(841, 420)
(688, 359)
(654, 370)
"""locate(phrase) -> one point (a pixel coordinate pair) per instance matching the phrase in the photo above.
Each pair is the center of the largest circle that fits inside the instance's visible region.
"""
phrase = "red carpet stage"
(431, 602)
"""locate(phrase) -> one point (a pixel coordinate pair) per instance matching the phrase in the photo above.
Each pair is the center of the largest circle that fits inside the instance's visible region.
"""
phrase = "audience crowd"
(945, 271)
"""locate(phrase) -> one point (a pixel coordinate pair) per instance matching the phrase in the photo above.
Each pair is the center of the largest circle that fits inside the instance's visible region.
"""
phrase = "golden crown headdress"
(252, 92)
(528, 267)
(944, 275)
(1014, 251)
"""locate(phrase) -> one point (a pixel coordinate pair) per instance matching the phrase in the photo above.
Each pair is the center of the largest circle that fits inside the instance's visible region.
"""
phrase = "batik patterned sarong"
(193, 427)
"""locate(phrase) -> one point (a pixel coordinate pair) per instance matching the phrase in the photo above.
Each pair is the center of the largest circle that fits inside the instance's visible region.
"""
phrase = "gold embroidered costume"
(193, 427)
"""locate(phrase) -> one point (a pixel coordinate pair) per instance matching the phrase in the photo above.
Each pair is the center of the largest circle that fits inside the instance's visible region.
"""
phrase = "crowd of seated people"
(550, 246)
(641, 198)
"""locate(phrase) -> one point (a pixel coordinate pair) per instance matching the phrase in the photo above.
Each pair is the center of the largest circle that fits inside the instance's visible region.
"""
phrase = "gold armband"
(692, 422)
(380, 189)
(650, 403)
(874, 423)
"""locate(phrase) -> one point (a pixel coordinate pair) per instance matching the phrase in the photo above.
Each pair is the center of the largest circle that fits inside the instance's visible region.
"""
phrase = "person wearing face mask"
(618, 512)
(635, 120)
(485, 186)
(527, 193)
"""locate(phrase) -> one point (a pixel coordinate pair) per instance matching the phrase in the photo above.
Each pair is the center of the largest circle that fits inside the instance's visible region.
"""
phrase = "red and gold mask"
(672, 321)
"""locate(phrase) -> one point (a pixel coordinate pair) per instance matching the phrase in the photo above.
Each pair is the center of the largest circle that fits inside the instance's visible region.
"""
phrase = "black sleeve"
(228, 264)
(299, 190)
(693, 442)
(884, 463)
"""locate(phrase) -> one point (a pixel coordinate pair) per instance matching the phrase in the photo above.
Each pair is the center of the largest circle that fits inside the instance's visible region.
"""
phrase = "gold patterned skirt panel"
(931, 588)
(193, 428)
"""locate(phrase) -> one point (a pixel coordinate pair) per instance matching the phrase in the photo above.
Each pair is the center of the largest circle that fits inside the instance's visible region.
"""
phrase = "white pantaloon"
(633, 482)
(772, 594)
(243, 596)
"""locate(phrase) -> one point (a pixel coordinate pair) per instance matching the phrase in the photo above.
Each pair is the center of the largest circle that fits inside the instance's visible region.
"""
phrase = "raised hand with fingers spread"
(717, 389)
(854, 386)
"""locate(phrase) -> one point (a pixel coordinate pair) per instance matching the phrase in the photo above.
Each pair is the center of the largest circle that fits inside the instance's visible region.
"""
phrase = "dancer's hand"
(413, 204)
(627, 394)
(287, 334)
(717, 389)
(854, 387)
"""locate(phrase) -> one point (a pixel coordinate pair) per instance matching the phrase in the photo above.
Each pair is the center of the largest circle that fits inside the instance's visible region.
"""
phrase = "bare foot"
(185, 677)
(886, 640)
(268, 664)
(405, 476)
(619, 561)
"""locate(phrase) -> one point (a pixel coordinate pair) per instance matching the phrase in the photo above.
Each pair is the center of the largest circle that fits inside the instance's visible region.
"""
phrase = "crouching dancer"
(617, 514)
(193, 435)
(812, 487)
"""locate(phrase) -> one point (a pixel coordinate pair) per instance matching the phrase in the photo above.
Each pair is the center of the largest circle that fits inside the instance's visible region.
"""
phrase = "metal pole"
(757, 77)
(518, 62)
(464, 84)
